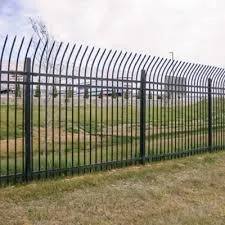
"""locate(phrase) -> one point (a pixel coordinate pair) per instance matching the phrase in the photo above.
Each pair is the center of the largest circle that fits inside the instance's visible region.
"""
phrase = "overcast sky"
(192, 29)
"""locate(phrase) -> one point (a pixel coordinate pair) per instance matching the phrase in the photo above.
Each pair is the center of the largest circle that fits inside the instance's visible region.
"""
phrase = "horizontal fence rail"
(70, 109)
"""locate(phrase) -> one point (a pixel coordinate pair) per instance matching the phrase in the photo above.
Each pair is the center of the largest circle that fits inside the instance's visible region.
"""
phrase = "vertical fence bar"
(210, 114)
(142, 115)
(28, 164)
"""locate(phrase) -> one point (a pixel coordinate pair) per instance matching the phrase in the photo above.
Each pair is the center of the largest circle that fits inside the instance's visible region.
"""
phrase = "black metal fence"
(69, 109)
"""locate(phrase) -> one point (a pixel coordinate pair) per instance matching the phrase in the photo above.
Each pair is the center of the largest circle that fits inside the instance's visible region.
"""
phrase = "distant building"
(175, 87)
(107, 88)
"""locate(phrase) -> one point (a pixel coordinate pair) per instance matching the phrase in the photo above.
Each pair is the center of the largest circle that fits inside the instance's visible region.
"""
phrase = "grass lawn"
(93, 118)
(185, 191)
(94, 135)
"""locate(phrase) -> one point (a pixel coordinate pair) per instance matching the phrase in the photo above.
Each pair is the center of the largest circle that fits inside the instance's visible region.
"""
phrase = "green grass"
(185, 191)
(169, 129)
(118, 149)
(91, 118)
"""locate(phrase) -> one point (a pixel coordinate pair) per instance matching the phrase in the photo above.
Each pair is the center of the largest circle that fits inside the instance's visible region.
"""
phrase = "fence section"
(69, 109)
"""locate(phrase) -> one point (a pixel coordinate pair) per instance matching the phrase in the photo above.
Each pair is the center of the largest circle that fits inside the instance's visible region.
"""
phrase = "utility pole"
(172, 55)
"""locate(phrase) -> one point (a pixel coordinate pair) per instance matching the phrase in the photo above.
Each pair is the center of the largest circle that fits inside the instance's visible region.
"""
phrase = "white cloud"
(193, 29)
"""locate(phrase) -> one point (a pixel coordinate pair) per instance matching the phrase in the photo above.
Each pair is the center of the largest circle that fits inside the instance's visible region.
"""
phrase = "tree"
(114, 94)
(138, 94)
(46, 51)
(100, 94)
(150, 95)
(54, 92)
(69, 94)
(66, 99)
(159, 97)
(37, 92)
(18, 91)
(86, 92)
(126, 94)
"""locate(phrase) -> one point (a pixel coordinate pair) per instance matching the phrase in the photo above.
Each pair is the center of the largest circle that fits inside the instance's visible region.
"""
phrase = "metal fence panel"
(69, 109)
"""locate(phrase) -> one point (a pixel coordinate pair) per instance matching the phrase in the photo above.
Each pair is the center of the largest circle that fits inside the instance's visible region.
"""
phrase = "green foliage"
(114, 95)
(159, 97)
(37, 92)
(169, 95)
(150, 96)
(138, 94)
(54, 92)
(67, 99)
(86, 92)
(165, 115)
(69, 94)
(18, 91)
(126, 94)
(100, 94)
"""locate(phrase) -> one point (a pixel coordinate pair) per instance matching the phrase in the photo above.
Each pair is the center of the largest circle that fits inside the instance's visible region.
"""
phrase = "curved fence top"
(59, 59)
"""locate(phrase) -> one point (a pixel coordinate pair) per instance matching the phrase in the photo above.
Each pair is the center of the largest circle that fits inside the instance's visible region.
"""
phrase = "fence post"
(210, 114)
(27, 119)
(142, 115)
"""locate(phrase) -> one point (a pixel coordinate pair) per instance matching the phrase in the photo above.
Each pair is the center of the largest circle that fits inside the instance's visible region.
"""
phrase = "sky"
(192, 29)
